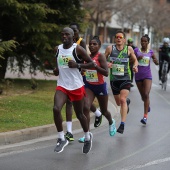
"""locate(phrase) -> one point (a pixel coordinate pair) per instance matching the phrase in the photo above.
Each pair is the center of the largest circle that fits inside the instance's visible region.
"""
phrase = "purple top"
(144, 70)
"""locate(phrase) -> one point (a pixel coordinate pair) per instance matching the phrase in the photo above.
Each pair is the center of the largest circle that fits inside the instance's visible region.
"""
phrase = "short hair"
(120, 31)
(146, 36)
(97, 39)
(130, 40)
(74, 23)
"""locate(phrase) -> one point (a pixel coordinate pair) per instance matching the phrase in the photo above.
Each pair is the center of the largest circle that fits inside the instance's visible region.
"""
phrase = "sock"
(97, 112)
(122, 123)
(87, 136)
(69, 127)
(145, 116)
(61, 135)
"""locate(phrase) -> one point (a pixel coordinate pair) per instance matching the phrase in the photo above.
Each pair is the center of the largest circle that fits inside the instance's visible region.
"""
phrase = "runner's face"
(144, 42)
(119, 39)
(66, 36)
(94, 46)
(76, 31)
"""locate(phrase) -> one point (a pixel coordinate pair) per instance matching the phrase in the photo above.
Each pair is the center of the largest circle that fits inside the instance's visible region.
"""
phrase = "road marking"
(156, 162)
(133, 153)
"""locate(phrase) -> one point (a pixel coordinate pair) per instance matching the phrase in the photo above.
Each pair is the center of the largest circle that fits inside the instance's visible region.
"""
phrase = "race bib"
(91, 76)
(144, 61)
(118, 69)
(63, 61)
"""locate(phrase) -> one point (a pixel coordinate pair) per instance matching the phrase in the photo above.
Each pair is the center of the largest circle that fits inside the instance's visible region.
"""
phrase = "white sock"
(87, 136)
(61, 135)
(97, 112)
(69, 127)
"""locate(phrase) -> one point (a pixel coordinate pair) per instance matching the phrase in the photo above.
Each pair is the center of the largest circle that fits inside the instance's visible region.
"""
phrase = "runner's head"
(145, 41)
(75, 27)
(120, 38)
(94, 44)
(166, 41)
(130, 41)
(67, 35)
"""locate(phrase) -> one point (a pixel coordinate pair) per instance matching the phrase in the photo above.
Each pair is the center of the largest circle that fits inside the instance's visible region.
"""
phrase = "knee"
(79, 116)
(56, 110)
(122, 100)
(145, 96)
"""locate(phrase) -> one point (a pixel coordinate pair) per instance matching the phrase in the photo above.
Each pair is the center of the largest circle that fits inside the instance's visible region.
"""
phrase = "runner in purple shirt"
(144, 77)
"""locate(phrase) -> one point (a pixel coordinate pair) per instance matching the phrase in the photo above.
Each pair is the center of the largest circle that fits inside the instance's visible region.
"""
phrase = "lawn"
(22, 107)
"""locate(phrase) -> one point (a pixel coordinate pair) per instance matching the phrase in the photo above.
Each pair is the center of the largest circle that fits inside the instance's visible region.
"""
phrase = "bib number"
(144, 61)
(118, 69)
(91, 76)
(63, 61)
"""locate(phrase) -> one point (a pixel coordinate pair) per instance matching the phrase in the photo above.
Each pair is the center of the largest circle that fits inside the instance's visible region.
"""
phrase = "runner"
(69, 112)
(70, 58)
(130, 43)
(144, 77)
(120, 81)
(96, 86)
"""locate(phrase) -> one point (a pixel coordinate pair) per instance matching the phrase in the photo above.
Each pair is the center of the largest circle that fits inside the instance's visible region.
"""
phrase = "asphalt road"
(140, 147)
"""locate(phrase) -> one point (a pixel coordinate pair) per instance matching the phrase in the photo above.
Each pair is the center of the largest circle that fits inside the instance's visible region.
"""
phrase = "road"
(140, 147)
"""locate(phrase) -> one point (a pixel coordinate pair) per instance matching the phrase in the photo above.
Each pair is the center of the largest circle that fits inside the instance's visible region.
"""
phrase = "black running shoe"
(69, 137)
(144, 121)
(98, 121)
(121, 129)
(128, 103)
(87, 145)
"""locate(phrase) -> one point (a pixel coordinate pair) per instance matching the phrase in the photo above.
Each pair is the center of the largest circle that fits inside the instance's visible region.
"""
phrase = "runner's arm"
(133, 59)
(103, 68)
(87, 62)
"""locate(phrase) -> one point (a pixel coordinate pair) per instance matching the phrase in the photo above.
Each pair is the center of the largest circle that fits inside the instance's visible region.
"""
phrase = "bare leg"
(59, 100)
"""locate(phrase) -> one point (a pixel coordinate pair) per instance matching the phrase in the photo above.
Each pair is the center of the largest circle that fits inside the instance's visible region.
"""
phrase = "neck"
(144, 49)
(67, 46)
(93, 54)
(120, 47)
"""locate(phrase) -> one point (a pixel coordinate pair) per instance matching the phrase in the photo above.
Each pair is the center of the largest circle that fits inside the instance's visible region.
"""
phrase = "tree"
(35, 26)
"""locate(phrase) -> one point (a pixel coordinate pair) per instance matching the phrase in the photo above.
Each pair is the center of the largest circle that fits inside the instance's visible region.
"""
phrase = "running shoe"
(128, 103)
(81, 140)
(121, 129)
(60, 145)
(87, 145)
(112, 128)
(69, 136)
(98, 121)
(143, 121)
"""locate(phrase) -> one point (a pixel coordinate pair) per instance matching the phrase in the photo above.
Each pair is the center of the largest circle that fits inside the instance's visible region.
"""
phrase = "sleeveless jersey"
(69, 78)
(144, 70)
(120, 69)
(92, 76)
(79, 41)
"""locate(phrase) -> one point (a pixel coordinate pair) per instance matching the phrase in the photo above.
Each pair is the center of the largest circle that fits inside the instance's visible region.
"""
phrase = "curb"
(22, 135)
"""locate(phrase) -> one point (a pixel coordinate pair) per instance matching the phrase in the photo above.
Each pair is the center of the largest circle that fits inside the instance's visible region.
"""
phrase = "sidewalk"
(22, 135)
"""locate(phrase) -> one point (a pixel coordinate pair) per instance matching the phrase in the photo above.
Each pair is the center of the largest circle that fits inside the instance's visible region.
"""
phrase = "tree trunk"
(3, 67)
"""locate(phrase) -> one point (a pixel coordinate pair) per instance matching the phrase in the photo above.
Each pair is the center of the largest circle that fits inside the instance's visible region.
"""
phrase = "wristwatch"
(78, 66)
(95, 65)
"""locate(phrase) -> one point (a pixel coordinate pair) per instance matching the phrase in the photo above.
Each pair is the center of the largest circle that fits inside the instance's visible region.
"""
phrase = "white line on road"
(156, 162)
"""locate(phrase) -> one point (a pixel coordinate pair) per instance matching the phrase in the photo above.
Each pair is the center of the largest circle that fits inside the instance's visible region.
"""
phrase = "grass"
(21, 107)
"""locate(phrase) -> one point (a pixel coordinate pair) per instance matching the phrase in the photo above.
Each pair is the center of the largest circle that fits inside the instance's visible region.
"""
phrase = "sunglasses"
(119, 36)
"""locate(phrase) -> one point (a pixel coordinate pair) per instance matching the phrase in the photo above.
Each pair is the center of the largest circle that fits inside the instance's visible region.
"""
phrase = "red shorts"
(74, 95)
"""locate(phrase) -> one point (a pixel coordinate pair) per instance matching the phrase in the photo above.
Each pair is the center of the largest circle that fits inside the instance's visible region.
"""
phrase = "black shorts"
(117, 86)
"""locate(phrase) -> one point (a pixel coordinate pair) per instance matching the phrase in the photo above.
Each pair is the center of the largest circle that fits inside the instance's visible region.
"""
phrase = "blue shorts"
(98, 90)
(117, 86)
